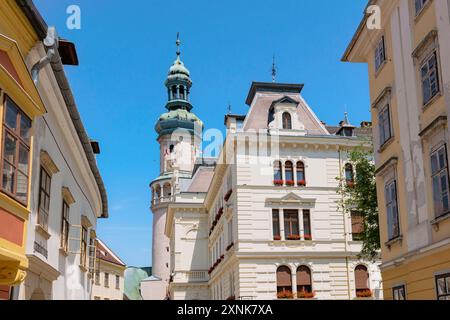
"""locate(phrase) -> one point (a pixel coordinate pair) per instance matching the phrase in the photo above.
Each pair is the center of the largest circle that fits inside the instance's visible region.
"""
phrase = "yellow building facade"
(406, 45)
(20, 103)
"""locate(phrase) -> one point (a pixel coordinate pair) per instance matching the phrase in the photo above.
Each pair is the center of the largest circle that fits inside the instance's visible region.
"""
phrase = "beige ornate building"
(409, 71)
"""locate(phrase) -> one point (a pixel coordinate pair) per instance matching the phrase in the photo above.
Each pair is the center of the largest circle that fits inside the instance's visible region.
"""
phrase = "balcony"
(194, 276)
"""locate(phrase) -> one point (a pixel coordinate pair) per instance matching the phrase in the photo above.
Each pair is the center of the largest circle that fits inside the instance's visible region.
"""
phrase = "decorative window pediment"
(285, 99)
(48, 164)
(67, 195)
(290, 199)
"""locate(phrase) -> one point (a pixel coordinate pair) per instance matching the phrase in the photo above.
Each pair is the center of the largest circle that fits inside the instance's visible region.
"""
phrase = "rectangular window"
(357, 225)
(430, 78)
(106, 280)
(384, 125)
(65, 225)
(117, 282)
(399, 293)
(291, 226)
(276, 224)
(419, 4)
(97, 277)
(16, 152)
(380, 54)
(439, 171)
(443, 287)
(83, 255)
(307, 224)
(392, 210)
(44, 199)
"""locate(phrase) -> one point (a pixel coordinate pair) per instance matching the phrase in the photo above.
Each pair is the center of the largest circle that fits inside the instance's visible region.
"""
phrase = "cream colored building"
(108, 275)
(409, 72)
(261, 221)
(67, 192)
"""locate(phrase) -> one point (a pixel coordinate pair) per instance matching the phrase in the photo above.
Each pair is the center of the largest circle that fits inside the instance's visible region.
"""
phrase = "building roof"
(359, 132)
(38, 23)
(106, 254)
(272, 87)
(201, 179)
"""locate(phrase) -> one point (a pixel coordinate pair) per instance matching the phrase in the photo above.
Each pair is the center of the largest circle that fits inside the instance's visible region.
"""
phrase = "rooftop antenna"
(274, 69)
(229, 108)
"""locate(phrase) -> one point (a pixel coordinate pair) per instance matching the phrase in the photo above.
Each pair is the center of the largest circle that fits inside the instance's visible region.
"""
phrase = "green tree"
(361, 196)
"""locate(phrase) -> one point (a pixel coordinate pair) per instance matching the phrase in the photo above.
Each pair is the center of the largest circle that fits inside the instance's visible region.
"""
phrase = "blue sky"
(125, 51)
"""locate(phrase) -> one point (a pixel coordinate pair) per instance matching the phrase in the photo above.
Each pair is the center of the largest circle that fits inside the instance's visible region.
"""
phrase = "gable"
(15, 79)
(291, 198)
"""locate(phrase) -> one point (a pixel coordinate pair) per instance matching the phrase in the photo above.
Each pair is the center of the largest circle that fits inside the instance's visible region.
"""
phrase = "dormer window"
(287, 121)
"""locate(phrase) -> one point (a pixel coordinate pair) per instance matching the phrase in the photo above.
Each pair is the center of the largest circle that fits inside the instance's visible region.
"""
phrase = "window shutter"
(74, 239)
(303, 276)
(284, 278)
(361, 278)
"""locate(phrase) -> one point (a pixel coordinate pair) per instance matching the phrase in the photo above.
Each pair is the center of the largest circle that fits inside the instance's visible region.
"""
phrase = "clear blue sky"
(126, 48)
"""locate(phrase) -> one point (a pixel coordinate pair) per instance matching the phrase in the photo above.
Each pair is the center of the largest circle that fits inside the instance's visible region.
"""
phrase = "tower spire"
(274, 70)
(178, 42)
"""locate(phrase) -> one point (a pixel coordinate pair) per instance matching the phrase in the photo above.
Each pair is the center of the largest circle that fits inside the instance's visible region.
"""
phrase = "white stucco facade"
(57, 271)
(223, 242)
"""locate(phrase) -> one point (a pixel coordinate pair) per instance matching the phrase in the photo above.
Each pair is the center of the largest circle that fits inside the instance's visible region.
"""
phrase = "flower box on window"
(228, 195)
(294, 237)
(277, 238)
(231, 298)
(285, 295)
(302, 183)
(306, 295)
(364, 293)
(290, 183)
(278, 182)
(307, 237)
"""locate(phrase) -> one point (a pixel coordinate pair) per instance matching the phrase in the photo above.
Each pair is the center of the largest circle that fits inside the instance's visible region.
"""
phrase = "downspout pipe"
(51, 44)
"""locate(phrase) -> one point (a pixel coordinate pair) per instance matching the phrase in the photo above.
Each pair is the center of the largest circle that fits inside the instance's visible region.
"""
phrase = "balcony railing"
(191, 276)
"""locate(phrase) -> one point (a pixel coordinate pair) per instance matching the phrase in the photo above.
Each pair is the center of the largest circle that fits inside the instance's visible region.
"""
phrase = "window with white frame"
(384, 125)
(439, 172)
(380, 54)
(430, 78)
(443, 286)
(392, 210)
(399, 293)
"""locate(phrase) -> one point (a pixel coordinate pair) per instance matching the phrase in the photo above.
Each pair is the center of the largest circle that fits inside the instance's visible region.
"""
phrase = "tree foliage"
(361, 196)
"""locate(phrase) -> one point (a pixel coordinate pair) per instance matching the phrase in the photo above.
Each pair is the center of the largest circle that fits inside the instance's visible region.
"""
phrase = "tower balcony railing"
(191, 276)
(162, 200)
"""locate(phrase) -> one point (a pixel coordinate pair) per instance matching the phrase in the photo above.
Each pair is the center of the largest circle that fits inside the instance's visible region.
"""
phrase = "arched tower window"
(304, 282)
(277, 173)
(287, 121)
(174, 93)
(301, 177)
(362, 281)
(158, 192)
(284, 280)
(289, 172)
(182, 97)
(167, 190)
(349, 175)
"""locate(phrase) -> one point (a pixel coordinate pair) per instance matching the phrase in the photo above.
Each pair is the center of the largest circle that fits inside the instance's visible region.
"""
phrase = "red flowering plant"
(278, 182)
(350, 183)
(228, 195)
(306, 295)
(367, 293)
(220, 211)
(277, 238)
(307, 237)
(290, 183)
(302, 183)
(294, 237)
(231, 245)
(222, 257)
(285, 294)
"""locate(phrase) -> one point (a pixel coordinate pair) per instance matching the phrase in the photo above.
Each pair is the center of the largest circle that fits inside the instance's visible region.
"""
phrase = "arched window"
(362, 281)
(271, 116)
(289, 172)
(284, 281)
(277, 173)
(349, 176)
(174, 93)
(304, 282)
(301, 178)
(181, 88)
(287, 121)
(158, 192)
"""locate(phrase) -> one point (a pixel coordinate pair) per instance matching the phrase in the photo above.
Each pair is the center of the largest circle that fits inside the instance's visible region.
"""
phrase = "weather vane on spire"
(178, 44)
(274, 69)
